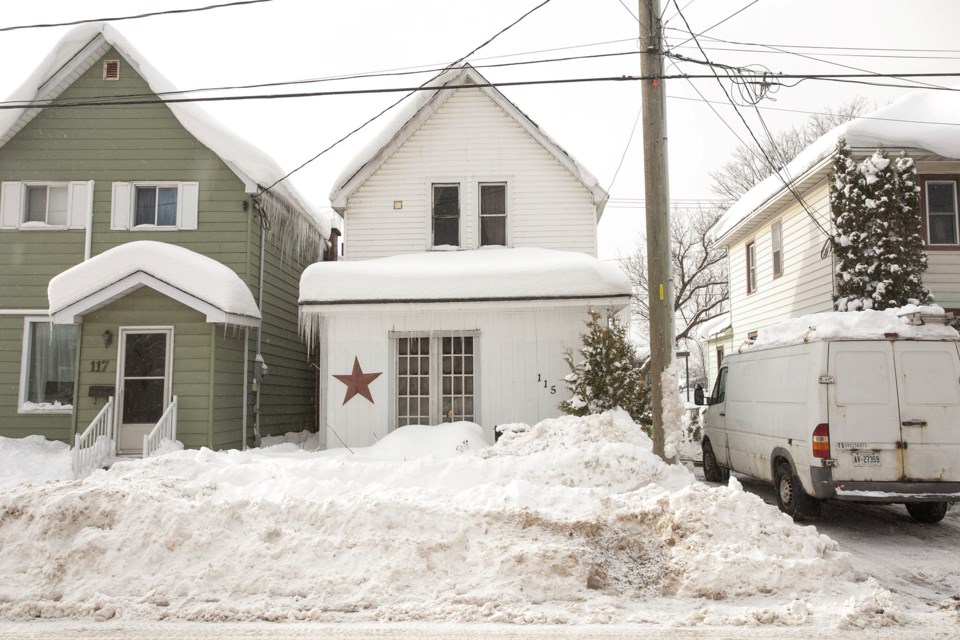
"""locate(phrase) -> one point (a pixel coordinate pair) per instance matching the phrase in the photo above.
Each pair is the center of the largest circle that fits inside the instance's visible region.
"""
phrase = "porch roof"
(480, 275)
(195, 280)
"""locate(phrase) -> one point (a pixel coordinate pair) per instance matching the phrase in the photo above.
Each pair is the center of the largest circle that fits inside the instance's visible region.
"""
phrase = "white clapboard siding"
(516, 350)
(470, 140)
(806, 285)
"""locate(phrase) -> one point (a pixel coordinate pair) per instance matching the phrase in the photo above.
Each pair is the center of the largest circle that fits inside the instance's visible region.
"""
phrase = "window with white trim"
(435, 378)
(751, 251)
(940, 197)
(493, 214)
(164, 206)
(776, 248)
(446, 215)
(38, 204)
(48, 370)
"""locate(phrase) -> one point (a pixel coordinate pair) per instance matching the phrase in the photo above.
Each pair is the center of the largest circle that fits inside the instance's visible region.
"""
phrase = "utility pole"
(657, 196)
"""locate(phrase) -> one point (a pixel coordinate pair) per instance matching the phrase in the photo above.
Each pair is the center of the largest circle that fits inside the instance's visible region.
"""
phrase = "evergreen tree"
(608, 376)
(879, 251)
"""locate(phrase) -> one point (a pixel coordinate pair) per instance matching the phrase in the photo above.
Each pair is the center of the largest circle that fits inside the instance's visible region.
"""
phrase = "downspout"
(258, 379)
(246, 363)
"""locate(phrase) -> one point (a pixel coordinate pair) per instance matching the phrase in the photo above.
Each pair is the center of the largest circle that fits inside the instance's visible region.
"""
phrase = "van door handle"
(723, 413)
(914, 423)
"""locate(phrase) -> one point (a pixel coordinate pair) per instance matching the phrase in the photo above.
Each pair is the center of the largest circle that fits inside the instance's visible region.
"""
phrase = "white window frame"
(13, 204)
(28, 322)
(776, 248)
(123, 208)
(461, 231)
(507, 217)
(435, 360)
(956, 213)
(751, 260)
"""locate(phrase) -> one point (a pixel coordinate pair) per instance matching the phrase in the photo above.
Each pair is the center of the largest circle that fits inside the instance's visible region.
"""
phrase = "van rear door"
(928, 376)
(862, 411)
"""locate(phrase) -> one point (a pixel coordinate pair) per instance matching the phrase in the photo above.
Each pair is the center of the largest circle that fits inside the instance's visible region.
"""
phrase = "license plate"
(866, 459)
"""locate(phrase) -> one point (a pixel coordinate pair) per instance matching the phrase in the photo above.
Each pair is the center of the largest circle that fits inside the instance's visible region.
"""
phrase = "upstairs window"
(776, 246)
(751, 267)
(158, 206)
(446, 215)
(941, 212)
(38, 205)
(493, 214)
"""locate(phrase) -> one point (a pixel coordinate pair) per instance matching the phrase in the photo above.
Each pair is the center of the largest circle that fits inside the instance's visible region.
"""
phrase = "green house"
(150, 265)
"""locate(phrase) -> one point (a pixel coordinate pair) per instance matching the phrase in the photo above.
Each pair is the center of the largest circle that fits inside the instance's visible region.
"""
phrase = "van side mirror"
(698, 395)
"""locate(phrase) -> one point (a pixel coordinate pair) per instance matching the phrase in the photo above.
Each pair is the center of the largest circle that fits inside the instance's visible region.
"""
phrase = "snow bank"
(572, 520)
(34, 459)
(196, 274)
(855, 325)
(484, 274)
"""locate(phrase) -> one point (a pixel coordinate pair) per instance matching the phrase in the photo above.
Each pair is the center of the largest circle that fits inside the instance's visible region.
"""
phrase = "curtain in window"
(52, 365)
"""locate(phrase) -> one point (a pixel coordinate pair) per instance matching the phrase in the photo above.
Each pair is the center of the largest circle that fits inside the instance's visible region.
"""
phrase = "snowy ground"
(569, 529)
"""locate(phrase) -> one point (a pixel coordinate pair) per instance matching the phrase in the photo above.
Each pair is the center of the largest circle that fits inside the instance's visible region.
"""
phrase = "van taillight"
(821, 441)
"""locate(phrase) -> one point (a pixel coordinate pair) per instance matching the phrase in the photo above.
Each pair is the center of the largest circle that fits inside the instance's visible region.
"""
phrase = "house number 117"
(546, 385)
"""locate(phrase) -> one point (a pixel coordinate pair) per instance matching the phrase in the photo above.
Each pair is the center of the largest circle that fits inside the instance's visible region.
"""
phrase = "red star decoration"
(357, 382)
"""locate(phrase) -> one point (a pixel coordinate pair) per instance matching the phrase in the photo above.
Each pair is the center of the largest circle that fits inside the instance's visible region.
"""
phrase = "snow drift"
(572, 520)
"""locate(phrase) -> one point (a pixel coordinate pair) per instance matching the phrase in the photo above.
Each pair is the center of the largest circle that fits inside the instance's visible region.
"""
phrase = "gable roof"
(83, 46)
(199, 282)
(920, 121)
(420, 108)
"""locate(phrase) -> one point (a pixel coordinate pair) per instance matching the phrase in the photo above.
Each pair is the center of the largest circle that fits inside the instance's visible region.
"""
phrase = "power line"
(714, 26)
(409, 93)
(133, 17)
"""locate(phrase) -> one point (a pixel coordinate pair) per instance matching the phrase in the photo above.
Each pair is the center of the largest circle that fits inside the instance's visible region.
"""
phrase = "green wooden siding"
(146, 143)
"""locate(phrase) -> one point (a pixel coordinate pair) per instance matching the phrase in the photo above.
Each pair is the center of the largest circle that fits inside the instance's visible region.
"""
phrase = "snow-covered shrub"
(608, 376)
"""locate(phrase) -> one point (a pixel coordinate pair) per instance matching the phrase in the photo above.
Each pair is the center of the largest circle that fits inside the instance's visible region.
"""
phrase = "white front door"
(928, 377)
(143, 385)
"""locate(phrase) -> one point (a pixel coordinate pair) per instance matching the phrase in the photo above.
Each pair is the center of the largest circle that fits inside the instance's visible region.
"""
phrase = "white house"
(470, 266)
(780, 265)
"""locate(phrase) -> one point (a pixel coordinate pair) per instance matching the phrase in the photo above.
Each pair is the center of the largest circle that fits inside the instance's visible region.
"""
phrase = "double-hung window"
(161, 206)
(48, 367)
(446, 215)
(38, 205)
(776, 248)
(493, 214)
(435, 378)
(940, 197)
(751, 252)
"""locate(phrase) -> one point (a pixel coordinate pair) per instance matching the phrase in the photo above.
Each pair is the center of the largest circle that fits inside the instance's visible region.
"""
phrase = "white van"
(865, 420)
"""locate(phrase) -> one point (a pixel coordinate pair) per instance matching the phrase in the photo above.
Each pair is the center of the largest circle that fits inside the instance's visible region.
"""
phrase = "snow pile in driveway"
(571, 521)
(33, 459)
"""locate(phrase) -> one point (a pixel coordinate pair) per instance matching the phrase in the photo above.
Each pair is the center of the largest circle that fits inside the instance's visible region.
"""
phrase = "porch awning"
(199, 282)
(481, 275)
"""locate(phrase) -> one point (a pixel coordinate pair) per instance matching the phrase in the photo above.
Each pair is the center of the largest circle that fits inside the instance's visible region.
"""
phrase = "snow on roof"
(715, 326)
(237, 153)
(419, 108)
(484, 274)
(856, 325)
(193, 274)
(922, 120)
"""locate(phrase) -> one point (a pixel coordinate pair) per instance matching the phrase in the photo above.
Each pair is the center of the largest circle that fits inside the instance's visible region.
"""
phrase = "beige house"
(776, 234)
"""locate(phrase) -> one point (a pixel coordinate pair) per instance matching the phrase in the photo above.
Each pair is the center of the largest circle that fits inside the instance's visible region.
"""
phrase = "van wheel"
(712, 471)
(791, 497)
(927, 512)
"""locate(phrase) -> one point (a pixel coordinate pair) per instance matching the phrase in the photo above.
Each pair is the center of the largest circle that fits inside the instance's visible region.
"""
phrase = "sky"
(289, 40)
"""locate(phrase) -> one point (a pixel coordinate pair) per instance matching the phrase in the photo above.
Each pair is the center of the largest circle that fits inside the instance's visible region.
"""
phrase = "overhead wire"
(408, 94)
(151, 14)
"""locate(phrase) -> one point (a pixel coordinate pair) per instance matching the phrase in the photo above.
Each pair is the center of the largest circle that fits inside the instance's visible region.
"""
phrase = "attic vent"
(111, 69)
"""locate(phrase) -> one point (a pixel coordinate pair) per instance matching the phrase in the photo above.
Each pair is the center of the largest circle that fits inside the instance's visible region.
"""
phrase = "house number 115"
(546, 385)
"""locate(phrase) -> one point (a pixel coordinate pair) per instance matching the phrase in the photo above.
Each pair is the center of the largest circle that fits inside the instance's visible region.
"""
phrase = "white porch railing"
(96, 443)
(166, 429)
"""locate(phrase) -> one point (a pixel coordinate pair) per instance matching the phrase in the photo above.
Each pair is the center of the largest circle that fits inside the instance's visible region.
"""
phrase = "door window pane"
(142, 400)
(146, 355)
